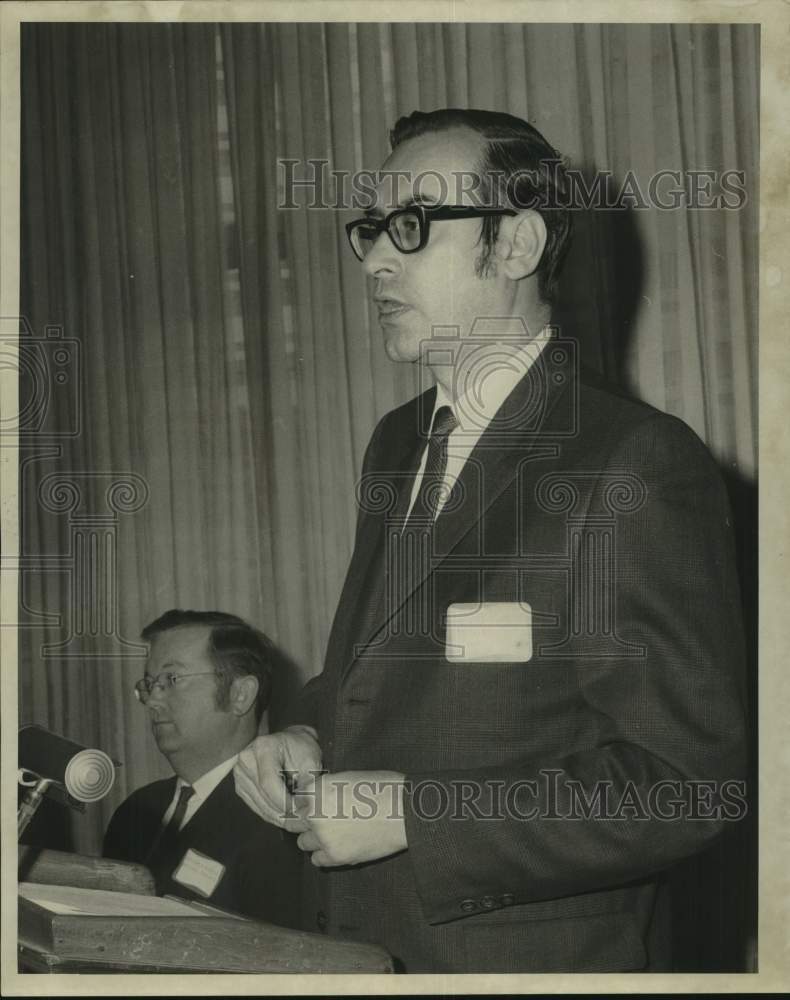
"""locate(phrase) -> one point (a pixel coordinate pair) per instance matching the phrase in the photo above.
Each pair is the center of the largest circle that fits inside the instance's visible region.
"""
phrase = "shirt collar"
(206, 783)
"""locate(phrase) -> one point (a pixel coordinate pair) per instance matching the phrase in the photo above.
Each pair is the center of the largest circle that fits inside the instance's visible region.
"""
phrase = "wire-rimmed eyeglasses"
(408, 228)
(165, 681)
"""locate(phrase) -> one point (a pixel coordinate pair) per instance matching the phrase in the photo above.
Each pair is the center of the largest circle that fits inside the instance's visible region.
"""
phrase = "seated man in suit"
(207, 682)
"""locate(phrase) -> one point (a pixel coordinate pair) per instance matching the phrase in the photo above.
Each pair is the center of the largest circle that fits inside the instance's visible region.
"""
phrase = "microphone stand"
(31, 801)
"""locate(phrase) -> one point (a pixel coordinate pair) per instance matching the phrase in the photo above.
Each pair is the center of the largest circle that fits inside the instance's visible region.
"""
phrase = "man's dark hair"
(236, 648)
(518, 169)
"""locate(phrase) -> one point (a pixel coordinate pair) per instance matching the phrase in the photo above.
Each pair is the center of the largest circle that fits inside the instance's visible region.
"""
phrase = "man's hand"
(352, 816)
(271, 767)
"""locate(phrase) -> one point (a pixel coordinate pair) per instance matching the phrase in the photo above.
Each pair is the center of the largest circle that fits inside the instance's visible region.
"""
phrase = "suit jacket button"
(321, 920)
(469, 905)
(508, 899)
(488, 902)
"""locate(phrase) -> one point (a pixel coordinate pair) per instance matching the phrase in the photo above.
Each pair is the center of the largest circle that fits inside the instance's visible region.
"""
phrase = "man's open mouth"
(391, 307)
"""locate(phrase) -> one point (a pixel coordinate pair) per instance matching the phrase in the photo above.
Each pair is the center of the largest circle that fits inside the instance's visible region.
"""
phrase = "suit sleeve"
(268, 877)
(114, 844)
(666, 722)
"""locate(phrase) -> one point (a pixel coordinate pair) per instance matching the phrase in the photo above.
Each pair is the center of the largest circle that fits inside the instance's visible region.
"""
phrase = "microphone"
(86, 774)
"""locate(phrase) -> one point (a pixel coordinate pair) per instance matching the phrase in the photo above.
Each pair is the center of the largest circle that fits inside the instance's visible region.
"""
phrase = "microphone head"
(90, 775)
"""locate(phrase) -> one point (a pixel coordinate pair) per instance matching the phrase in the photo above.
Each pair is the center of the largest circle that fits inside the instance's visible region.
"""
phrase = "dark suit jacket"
(610, 520)
(262, 864)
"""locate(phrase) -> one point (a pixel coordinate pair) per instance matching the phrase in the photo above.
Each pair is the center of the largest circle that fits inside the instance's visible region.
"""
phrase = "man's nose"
(156, 698)
(382, 260)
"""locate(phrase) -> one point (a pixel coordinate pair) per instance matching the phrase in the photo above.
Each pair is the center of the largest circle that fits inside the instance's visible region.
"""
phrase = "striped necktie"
(426, 503)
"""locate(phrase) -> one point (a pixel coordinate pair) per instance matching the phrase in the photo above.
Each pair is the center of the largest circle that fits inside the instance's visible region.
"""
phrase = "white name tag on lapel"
(199, 872)
(495, 632)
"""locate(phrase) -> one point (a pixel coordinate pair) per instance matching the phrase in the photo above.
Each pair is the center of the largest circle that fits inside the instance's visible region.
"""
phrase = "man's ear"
(522, 239)
(243, 692)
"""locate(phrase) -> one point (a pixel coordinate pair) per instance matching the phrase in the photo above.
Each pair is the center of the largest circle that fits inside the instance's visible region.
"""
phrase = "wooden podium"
(94, 915)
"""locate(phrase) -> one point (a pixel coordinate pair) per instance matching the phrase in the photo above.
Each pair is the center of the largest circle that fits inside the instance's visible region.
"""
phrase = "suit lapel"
(161, 798)
(219, 803)
(383, 496)
(156, 806)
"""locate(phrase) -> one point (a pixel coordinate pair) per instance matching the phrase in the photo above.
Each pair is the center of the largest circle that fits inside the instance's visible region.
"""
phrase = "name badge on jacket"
(492, 632)
(199, 872)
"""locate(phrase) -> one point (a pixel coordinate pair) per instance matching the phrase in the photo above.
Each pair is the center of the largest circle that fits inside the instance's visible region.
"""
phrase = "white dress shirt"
(475, 408)
(202, 788)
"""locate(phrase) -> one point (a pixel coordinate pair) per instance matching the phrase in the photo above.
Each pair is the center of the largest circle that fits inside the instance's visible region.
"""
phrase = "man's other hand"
(351, 817)
(271, 768)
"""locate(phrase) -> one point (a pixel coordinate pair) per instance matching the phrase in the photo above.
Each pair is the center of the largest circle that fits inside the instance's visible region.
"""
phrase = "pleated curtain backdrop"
(122, 246)
(229, 356)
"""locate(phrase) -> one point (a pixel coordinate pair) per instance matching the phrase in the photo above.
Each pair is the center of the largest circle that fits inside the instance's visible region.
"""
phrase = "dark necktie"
(407, 539)
(426, 503)
(167, 834)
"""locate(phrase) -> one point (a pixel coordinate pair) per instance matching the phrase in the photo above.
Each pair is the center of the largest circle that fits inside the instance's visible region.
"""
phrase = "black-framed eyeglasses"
(165, 681)
(408, 228)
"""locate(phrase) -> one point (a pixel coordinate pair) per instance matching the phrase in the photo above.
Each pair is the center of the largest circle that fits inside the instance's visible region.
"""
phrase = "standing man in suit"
(207, 683)
(530, 706)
